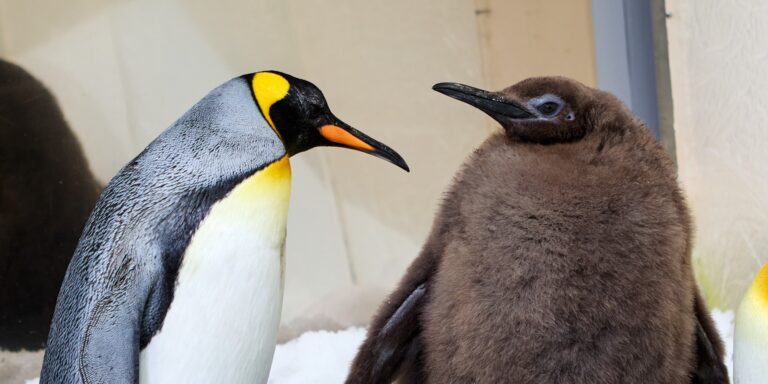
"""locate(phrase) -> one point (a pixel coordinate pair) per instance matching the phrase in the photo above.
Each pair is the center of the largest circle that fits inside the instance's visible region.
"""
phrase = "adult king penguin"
(178, 275)
(561, 254)
(750, 342)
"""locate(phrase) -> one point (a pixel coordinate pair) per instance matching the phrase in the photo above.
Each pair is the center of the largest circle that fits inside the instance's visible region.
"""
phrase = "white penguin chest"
(221, 326)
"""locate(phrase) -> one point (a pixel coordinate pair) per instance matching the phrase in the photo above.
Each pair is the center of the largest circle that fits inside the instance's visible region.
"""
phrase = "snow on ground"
(316, 357)
(724, 322)
(324, 357)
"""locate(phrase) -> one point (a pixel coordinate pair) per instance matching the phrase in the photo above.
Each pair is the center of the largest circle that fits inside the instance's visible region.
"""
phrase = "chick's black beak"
(489, 102)
(339, 134)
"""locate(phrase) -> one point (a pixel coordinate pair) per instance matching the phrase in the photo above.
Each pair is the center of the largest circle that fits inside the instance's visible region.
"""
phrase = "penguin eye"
(548, 108)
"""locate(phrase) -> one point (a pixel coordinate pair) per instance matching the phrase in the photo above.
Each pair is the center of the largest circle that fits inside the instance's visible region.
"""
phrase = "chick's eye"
(548, 108)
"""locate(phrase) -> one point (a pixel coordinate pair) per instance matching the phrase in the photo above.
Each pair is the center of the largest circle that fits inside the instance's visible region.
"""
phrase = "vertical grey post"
(625, 56)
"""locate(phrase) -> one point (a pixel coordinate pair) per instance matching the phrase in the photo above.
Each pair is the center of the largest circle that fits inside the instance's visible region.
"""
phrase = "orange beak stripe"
(340, 136)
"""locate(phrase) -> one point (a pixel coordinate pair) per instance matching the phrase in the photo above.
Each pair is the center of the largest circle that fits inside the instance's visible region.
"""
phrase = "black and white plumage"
(178, 275)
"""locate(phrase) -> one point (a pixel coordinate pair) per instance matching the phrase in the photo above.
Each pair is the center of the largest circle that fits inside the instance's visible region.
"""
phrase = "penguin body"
(561, 254)
(242, 238)
(750, 344)
(178, 275)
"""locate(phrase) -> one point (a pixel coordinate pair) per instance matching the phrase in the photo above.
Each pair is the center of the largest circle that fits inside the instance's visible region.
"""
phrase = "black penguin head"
(296, 109)
(541, 110)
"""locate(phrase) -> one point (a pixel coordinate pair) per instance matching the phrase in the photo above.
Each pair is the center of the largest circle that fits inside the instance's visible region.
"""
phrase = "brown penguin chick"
(47, 193)
(561, 254)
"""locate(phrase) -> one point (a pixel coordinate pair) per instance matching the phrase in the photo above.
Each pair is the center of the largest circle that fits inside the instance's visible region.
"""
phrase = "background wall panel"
(720, 89)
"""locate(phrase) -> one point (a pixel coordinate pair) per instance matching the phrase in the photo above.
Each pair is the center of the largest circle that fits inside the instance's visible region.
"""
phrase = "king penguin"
(750, 343)
(560, 254)
(178, 275)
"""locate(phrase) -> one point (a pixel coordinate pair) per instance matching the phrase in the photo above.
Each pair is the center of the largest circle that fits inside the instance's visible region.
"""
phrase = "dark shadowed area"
(47, 192)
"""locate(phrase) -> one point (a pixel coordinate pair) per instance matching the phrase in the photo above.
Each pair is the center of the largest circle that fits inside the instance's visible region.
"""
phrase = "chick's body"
(561, 254)
(568, 265)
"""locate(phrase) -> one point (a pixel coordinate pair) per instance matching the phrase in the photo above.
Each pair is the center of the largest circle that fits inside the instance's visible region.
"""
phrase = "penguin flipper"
(393, 346)
(709, 367)
(110, 348)
(392, 349)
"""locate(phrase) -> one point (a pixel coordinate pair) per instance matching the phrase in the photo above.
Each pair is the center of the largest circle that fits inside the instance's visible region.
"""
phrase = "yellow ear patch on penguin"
(269, 88)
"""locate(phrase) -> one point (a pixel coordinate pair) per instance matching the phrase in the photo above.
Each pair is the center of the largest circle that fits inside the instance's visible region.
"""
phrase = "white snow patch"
(724, 322)
(316, 357)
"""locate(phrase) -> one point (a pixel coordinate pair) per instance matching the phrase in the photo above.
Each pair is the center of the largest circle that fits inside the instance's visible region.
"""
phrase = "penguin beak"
(491, 103)
(339, 134)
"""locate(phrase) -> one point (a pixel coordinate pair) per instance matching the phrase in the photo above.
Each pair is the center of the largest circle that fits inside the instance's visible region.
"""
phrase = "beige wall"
(124, 70)
(523, 38)
(718, 63)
